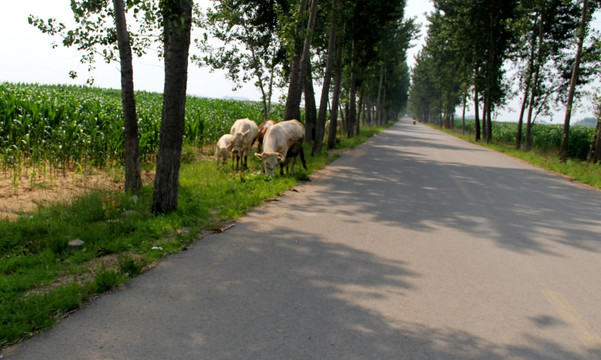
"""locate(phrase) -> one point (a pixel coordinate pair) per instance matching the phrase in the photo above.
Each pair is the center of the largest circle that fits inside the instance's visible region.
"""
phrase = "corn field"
(544, 137)
(52, 128)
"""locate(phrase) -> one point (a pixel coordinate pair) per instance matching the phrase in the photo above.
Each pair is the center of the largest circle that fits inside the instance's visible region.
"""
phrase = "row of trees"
(355, 49)
(472, 46)
(360, 45)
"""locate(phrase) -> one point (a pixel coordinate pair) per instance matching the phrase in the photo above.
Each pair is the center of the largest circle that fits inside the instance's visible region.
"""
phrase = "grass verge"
(575, 169)
(43, 278)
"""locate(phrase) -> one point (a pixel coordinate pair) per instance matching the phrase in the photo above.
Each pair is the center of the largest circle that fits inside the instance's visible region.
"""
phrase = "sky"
(28, 57)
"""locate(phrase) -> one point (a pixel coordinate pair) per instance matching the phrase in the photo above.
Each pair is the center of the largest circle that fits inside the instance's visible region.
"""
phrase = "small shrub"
(106, 280)
(129, 267)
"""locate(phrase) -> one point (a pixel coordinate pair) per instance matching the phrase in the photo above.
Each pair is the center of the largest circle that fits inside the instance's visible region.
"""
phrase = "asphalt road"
(415, 245)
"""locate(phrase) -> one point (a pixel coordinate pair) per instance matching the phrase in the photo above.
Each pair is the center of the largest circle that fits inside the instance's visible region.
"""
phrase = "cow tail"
(302, 156)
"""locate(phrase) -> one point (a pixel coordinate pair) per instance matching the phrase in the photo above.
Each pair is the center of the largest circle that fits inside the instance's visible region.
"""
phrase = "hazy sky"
(27, 55)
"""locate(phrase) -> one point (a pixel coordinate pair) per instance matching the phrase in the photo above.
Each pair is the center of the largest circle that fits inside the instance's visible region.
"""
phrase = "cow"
(244, 134)
(223, 148)
(282, 143)
(338, 125)
(263, 127)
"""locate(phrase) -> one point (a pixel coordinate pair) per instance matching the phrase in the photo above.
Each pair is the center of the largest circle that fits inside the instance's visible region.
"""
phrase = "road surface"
(415, 245)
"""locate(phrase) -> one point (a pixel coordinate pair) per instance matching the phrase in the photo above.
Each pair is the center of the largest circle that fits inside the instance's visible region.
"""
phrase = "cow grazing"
(223, 148)
(263, 127)
(244, 134)
(338, 125)
(283, 142)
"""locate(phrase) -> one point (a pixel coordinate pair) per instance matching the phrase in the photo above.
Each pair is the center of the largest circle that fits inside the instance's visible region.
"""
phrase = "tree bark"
(177, 24)
(477, 110)
(563, 151)
(133, 177)
(298, 71)
(593, 155)
(325, 90)
(310, 107)
(352, 114)
(530, 70)
(518, 137)
(335, 98)
(379, 101)
(360, 107)
(463, 113)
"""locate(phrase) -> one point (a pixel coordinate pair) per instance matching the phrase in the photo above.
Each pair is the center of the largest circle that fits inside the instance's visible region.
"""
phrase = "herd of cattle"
(279, 143)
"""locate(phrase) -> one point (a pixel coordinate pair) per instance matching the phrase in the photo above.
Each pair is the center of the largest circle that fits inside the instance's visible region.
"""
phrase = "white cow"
(244, 132)
(338, 124)
(223, 148)
(282, 143)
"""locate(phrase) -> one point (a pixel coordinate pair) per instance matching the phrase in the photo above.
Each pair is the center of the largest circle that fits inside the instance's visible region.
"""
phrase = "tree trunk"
(476, 111)
(593, 155)
(484, 123)
(563, 151)
(518, 137)
(358, 124)
(489, 121)
(382, 107)
(463, 113)
(133, 177)
(310, 110)
(325, 90)
(529, 71)
(297, 76)
(352, 114)
(335, 97)
(535, 84)
(177, 23)
(379, 104)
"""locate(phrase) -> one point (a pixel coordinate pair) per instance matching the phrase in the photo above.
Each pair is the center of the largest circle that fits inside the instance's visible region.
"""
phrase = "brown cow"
(263, 127)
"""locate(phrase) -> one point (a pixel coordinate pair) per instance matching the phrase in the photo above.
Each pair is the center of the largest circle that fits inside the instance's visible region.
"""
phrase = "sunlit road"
(415, 245)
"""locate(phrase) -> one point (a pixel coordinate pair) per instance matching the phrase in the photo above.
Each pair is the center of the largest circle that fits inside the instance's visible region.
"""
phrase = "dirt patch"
(27, 194)
(30, 193)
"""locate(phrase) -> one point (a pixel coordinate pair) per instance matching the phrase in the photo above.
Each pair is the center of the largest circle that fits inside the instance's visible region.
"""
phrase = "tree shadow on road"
(264, 290)
(520, 208)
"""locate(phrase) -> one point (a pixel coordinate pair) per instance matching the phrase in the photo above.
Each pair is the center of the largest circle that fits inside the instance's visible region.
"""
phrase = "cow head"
(269, 161)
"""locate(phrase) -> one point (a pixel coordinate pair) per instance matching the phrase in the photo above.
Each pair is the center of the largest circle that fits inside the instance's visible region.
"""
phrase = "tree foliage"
(471, 45)
(242, 37)
(95, 34)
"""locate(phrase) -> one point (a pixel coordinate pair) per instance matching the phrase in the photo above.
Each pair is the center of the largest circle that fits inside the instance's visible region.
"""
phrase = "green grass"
(546, 156)
(42, 279)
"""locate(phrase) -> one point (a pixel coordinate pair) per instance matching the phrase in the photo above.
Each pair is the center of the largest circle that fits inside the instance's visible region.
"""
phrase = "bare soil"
(28, 194)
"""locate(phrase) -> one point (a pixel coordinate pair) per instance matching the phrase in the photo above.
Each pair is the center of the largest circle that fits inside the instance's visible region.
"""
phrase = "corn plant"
(49, 129)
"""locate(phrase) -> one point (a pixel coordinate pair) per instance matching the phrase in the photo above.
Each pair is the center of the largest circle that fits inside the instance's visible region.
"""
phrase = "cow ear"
(260, 156)
(230, 146)
(281, 158)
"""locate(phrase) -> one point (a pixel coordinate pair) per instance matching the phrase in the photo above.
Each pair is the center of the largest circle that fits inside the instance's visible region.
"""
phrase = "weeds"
(545, 153)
